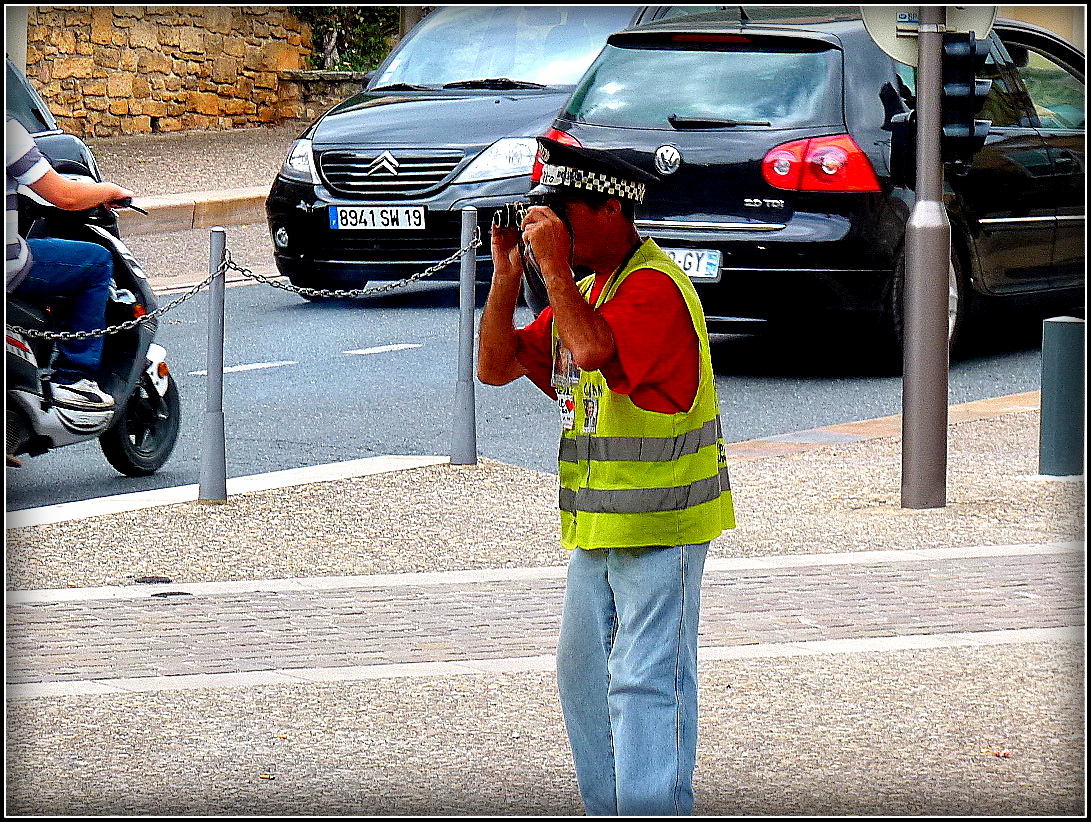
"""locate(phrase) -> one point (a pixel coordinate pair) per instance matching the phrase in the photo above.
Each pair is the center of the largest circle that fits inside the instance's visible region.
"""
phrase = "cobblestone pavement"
(248, 627)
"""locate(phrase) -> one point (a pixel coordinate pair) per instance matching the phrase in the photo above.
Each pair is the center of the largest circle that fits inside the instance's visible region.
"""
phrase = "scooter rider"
(72, 277)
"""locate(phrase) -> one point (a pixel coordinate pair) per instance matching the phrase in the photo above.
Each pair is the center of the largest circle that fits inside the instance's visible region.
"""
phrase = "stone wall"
(312, 93)
(109, 70)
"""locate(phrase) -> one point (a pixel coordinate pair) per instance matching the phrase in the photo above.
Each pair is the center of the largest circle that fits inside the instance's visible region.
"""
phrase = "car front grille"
(382, 175)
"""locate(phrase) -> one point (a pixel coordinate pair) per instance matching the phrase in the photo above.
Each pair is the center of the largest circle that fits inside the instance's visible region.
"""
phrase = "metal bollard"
(213, 477)
(1061, 437)
(464, 432)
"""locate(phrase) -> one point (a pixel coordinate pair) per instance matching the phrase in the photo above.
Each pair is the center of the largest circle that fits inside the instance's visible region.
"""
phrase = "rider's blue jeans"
(74, 279)
(627, 674)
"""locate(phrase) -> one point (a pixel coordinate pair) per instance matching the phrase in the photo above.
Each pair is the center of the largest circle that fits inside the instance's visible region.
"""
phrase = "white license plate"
(697, 263)
(384, 217)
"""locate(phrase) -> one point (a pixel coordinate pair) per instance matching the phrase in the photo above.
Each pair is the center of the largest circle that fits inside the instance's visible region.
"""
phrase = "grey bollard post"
(1060, 441)
(213, 477)
(464, 431)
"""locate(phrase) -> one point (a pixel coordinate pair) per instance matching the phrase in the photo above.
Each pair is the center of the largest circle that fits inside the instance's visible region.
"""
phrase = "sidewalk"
(382, 643)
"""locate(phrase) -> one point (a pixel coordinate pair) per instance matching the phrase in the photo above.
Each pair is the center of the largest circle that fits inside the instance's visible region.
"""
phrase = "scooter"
(138, 434)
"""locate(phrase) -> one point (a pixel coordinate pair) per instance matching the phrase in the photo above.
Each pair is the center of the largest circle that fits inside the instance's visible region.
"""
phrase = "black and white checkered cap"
(588, 169)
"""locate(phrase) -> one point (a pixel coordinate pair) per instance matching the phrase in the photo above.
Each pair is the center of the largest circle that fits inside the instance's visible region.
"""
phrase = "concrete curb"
(776, 446)
(196, 209)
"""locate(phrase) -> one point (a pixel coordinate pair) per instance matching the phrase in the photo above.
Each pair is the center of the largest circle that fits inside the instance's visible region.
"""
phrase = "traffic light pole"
(928, 256)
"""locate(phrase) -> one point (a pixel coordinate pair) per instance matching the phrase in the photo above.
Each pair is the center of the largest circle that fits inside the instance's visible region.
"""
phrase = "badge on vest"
(565, 372)
(590, 415)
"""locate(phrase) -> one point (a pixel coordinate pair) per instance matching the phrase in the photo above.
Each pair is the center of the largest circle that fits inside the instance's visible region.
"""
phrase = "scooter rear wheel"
(140, 441)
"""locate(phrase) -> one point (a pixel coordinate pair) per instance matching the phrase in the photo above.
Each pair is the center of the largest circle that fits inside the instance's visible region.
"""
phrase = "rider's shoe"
(84, 395)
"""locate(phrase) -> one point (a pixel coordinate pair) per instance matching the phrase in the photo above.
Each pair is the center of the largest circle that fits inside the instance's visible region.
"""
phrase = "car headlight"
(509, 157)
(300, 163)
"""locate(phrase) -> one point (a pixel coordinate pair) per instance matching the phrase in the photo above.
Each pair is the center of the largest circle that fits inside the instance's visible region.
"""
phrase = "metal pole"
(213, 478)
(464, 435)
(928, 256)
(1060, 442)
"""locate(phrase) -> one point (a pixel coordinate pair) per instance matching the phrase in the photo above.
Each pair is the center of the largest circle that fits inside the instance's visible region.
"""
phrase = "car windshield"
(24, 104)
(546, 45)
(715, 81)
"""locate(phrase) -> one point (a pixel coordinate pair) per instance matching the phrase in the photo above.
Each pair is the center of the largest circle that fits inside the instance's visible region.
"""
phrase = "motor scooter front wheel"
(145, 431)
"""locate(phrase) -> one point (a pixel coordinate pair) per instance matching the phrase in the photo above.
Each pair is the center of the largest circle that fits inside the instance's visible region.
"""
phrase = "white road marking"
(382, 349)
(254, 366)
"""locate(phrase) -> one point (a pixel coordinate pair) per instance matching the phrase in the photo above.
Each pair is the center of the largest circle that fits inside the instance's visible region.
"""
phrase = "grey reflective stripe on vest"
(644, 500)
(639, 449)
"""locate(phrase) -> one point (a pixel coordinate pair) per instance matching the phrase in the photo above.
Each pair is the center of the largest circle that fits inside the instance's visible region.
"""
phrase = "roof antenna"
(743, 16)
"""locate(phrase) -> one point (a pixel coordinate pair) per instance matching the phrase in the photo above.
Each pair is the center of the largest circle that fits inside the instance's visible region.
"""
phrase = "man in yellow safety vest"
(624, 352)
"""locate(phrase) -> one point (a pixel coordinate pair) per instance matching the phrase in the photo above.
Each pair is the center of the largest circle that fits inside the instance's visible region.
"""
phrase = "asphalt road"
(326, 382)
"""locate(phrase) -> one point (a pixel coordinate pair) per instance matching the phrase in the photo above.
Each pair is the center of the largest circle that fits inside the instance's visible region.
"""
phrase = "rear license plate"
(698, 263)
(384, 217)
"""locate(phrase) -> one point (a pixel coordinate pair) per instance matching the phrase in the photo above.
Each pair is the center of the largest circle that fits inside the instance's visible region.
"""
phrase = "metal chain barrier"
(114, 329)
(230, 265)
(352, 293)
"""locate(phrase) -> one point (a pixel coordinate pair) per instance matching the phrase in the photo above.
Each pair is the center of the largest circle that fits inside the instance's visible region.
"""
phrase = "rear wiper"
(710, 122)
(493, 83)
(402, 87)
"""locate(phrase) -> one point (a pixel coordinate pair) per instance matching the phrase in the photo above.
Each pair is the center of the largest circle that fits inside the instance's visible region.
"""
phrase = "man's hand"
(546, 235)
(506, 259)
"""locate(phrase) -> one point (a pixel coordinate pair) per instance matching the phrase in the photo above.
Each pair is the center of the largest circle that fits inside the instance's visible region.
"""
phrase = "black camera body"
(510, 215)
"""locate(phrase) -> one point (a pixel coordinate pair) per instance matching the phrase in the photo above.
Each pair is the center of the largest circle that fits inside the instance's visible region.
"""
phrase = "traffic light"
(963, 97)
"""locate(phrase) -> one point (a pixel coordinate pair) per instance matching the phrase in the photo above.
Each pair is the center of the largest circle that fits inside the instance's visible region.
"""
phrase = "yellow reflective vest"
(631, 477)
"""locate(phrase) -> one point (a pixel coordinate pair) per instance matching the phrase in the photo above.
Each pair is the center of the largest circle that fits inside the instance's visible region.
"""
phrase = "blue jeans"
(73, 278)
(627, 675)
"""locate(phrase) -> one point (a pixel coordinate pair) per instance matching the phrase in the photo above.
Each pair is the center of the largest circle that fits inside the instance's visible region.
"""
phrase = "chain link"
(339, 293)
(230, 265)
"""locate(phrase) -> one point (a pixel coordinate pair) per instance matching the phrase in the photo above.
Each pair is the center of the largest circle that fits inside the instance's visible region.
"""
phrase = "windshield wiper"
(402, 87)
(493, 83)
(710, 122)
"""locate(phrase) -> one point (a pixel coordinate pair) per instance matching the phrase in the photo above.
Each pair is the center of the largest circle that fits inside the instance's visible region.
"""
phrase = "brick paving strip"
(243, 633)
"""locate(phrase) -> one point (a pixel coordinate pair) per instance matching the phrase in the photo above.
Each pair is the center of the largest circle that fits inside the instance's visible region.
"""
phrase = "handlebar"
(127, 202)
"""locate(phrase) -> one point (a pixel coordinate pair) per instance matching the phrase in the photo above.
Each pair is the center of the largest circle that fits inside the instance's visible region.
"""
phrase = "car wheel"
(145, 431)
(892, 332)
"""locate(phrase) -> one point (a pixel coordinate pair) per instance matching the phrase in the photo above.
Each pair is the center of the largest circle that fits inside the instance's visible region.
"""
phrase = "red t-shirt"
(656, 353)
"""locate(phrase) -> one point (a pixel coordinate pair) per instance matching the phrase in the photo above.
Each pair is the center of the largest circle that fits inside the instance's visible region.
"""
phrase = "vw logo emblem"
(667, 159)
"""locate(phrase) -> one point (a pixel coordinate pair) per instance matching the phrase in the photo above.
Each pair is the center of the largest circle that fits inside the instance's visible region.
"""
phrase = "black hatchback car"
(787, 173)
(374, 188)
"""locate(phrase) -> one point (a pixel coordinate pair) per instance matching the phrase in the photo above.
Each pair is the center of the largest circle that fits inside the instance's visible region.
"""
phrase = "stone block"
(154, 61)
(191, 40)
(144, 35)
(72, 67)
(225, 69)
(120, 84)
(141, 87)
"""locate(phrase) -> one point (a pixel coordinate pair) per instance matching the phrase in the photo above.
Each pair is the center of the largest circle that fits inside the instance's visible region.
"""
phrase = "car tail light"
(553, 134)
(832, 163)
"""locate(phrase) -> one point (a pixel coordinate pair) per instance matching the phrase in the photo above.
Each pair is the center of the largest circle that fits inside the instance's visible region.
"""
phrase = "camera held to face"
(510, 215)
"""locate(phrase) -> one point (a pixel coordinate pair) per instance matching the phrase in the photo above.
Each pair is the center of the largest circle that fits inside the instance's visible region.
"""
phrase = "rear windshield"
(550, 45)
(732, 81)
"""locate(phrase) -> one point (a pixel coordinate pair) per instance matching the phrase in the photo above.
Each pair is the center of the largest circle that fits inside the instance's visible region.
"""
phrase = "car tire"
(891, 333)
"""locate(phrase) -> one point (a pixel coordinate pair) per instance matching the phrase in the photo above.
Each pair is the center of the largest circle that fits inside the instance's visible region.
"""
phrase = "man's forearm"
(581, 328)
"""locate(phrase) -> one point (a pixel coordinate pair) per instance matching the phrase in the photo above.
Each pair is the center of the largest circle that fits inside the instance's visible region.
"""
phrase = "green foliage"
(349, 38)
